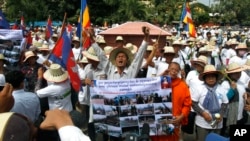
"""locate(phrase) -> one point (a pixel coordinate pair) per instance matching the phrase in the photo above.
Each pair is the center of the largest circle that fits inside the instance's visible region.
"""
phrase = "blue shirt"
(27, 104)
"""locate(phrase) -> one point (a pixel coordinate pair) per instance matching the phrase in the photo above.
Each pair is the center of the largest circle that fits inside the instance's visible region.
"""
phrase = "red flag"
(62, 54)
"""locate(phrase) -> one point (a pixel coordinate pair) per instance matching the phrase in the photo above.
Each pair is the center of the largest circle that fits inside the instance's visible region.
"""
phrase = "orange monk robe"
(182, 103)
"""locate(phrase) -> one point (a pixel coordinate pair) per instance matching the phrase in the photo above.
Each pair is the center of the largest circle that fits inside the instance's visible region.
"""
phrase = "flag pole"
(62, 30)
(81, 14)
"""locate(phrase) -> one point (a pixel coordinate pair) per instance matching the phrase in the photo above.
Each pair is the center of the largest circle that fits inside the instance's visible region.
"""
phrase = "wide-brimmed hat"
(242, 46)
(119, 38)
(131, 47)
(210, 69)
(84, 60)
(29, 54)
(177, 42)
(168, 50)
(234, 42)
(201, 60)
(117, 50)
(101, 41)
(234, 67)
(203, 50)
(45, 47)
(91, 54)
(210, 47)
(54, 35)
(191, 39)
(107, 50)
(55, 73)
(38, 43)
(75, 39)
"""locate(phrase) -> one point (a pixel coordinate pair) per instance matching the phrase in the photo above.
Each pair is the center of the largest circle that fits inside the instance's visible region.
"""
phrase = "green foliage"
(118, 11)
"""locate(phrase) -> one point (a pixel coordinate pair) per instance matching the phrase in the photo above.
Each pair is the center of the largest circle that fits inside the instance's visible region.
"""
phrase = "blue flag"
(4, 24)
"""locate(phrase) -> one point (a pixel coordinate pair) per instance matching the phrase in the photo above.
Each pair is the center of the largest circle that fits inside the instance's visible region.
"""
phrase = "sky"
(206, 2)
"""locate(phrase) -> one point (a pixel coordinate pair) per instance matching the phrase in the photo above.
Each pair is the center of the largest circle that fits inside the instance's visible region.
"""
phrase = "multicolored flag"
(186, 18)
(85, 23)
(4, 24)
(48, 32)
(62, 54)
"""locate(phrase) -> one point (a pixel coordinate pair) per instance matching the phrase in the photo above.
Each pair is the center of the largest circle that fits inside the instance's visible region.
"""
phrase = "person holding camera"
(209, 101)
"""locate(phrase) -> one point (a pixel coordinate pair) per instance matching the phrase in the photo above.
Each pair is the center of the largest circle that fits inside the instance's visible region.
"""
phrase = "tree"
(233, 11)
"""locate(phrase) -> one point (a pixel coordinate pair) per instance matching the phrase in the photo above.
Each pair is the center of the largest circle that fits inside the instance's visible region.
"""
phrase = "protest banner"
(11, 46)
(121, 107)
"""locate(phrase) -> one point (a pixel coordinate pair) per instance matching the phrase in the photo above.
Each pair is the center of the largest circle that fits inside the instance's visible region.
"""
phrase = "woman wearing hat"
(236, 89)
(209, 101)
(30, 68)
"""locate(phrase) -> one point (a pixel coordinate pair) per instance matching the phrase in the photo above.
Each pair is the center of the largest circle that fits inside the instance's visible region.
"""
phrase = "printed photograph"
(163, 108)
(111, 111)
(128, 111)
(145, 109)
(129, 121)
(152, 129)
(97, 99)
(130, 130)
(146, 119)
(165, 82)
(114, 131)
(101, 128)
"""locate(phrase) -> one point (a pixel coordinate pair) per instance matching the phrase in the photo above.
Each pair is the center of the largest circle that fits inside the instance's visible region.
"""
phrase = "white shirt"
(54, 92)
(76, 52)
(199, 95)
(72, 133)
(161, 68)
(237, 59)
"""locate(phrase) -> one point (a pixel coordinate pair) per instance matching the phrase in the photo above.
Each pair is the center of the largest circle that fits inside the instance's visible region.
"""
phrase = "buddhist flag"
(186, 18)
(85, 23)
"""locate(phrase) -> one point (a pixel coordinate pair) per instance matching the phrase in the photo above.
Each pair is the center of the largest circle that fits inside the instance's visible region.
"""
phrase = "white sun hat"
(55, 73)
(131, 47)
(91, 54)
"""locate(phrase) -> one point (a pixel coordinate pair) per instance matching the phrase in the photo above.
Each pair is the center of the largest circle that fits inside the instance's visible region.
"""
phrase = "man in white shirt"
(59, 91)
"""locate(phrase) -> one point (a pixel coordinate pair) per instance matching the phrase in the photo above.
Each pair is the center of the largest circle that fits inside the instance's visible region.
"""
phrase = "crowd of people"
(209, 80)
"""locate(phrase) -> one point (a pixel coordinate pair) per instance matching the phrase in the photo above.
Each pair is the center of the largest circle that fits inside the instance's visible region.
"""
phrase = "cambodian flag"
(62, 54)
(49, 31)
